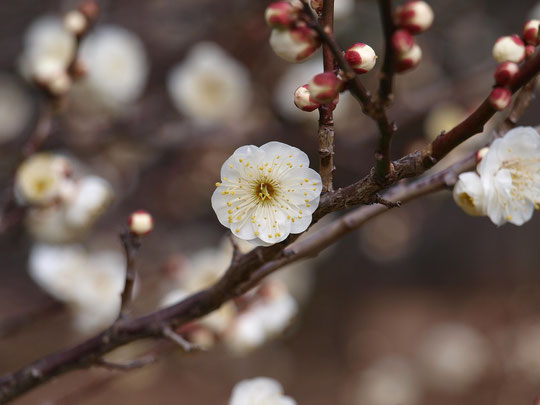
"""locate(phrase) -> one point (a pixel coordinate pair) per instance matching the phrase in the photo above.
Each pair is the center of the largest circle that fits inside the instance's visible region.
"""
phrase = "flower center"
(265, 191)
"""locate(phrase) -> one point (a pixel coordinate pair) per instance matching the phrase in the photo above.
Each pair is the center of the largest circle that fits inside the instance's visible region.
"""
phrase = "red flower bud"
(509, 48)
(324, 87)
(140, 223)
(505, 72)
(500, 98)
(409, 60)
(415, 16)
(402, 41)
(281, 14)
(530, 32)
(303, 99)
(294, 44)
(361, 57)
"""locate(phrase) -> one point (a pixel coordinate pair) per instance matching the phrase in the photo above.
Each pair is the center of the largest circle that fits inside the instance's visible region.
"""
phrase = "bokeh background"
(424, 303)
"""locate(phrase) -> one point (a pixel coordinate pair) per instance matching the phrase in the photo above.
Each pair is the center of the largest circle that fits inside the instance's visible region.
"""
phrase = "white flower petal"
(469, 194)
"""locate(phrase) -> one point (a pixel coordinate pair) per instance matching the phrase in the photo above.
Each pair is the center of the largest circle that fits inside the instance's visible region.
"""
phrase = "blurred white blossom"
(259, 391)
(48, 47)
(390, 381)
(454, 357)
(210, 86)
(117, 65)
(15, 108)
(89, 283)
(63, 203)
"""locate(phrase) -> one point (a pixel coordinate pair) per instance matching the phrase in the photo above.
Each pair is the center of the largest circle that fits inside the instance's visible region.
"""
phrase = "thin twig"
(521, 103)
(135, 364)
(387, 71)
(186, 346)
(131, 244)
(326, 115)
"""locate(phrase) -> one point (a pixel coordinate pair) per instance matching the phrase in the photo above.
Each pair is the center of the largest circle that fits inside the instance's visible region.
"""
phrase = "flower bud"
(75, 22)
(500, 98)
(505, 72)
(280, 14)
(47, 69)
(481, 153)
(361, 57)
(530, 32)
(415, 16)
(509, 48)
(409, 60)
(402, 41)
(324, 87)
(303, 100)
(90, 9)
(140, 223)
(529, 50)
(294, 44)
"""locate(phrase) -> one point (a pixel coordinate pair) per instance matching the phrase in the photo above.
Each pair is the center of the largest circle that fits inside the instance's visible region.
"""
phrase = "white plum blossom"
(266, 193)
(510, 179)
(259, 391)
(469, 194)
(48, 46)
(90, 284)
(116, 64)
(210, 86)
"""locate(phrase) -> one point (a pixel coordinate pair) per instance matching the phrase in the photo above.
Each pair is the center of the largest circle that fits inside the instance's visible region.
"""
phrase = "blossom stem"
(326, 116)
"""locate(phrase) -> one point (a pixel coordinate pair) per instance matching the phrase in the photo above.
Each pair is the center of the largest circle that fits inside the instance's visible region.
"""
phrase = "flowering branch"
(326, 119)
(375, 111)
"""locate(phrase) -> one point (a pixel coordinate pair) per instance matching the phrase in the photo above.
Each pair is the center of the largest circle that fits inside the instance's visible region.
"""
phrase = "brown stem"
(326, 116)
(387, 71)
(131, 244)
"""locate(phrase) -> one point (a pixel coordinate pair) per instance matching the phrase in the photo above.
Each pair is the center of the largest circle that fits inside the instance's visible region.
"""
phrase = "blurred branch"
(387, 71)
(135, 364)
(131, 244)
(521, 103)
(326, 115)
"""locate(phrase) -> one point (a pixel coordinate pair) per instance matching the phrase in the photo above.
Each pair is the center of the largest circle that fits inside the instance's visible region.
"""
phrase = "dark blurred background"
(424, 302)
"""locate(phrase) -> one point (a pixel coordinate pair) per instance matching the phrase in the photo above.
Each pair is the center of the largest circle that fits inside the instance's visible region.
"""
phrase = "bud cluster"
(290, 39)
(51, 74)
(509, 51)
(414, 17)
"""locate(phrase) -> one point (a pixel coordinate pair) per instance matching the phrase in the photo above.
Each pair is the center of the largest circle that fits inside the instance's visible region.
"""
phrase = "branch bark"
(326, 115)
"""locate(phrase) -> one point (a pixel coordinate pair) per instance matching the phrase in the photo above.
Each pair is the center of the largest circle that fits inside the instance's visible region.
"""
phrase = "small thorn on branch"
(387, 203)
(135, 364)
(179, 340)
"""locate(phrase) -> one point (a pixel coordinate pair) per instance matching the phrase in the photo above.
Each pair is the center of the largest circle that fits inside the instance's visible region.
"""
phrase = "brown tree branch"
(387, 71)
(326, 115)
(131, 244)
(251, 267)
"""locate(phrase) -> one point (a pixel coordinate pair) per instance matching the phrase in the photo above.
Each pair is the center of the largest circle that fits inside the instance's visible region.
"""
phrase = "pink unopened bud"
(530, 32)
(409, 60)
(402, 41)
(500, 98)
(303, 100)
(140, 223)
(281, 14)
(361, 57)
(324, 87)
(481, 153)
(509, 48)
(505, 72)
(529, 50)
(415, 16)
(294, 44)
